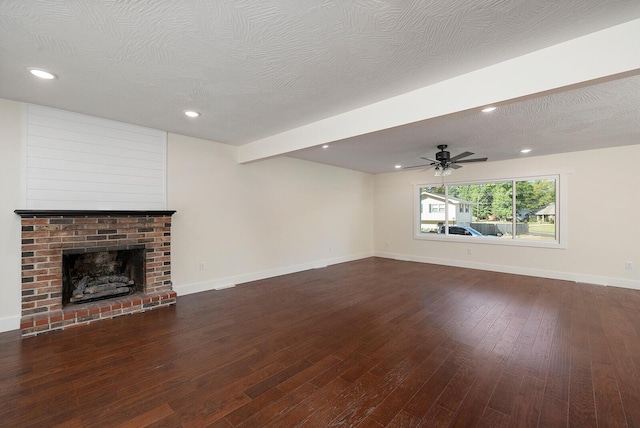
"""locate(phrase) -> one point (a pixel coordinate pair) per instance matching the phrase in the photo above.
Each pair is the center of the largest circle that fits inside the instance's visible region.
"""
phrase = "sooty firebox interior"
(97, 275)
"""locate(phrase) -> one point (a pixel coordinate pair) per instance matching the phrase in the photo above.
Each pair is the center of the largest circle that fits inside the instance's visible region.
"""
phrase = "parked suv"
(461, 230)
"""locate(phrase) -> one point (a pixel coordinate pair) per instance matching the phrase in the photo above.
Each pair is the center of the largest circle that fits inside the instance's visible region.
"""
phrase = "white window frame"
(560, 241)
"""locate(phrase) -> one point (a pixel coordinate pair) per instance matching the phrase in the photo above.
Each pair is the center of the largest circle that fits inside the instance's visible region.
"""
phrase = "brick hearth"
(46, 234)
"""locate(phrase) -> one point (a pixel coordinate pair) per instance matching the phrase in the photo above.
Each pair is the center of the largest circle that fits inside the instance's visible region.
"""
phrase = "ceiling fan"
(444, 163)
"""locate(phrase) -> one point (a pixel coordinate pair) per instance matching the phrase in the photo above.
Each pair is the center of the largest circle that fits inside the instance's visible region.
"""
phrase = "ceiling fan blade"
(460, 156)
(472, 160)
(455, 166)
(418, 166)
(429, 159)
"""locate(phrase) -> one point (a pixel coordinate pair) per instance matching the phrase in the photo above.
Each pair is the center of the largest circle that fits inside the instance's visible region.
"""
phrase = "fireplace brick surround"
(47, 233)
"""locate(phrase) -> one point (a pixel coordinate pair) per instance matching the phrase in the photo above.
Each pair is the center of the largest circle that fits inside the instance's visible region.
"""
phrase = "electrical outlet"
(628, 265)
(469, 252)
(202, 266)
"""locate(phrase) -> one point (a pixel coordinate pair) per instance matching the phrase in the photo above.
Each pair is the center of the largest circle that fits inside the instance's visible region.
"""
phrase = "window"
(436, 208)
(535, 209)
(518, 211)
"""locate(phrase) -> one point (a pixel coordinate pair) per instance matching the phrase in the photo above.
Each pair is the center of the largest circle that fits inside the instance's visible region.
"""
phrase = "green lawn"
(542, 228)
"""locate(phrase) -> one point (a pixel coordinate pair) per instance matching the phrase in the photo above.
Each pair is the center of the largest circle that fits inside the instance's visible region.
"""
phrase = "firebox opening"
(97, 275)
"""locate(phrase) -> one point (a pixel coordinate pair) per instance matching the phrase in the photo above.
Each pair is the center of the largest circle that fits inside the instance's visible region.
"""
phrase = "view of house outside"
(491, 209)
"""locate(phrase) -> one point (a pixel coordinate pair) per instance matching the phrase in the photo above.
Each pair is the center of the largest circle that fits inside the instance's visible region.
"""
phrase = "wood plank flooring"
(370, 343)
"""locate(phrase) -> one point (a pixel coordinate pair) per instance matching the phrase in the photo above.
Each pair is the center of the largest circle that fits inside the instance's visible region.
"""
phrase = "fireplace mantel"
(93, 213)
(48, 234)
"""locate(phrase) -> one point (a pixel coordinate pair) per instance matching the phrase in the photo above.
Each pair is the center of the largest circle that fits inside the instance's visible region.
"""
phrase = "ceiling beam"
(596, 56)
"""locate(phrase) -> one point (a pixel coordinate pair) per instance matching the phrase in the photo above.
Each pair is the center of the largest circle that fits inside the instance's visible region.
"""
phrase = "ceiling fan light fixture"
(444, 163)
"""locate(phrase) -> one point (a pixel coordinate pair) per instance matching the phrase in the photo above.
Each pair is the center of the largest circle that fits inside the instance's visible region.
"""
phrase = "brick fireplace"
(47, 235)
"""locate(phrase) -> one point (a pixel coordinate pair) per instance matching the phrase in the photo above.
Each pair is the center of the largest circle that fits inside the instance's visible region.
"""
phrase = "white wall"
(599, 241)
(252, 221)
(244, 222)
(11, 120)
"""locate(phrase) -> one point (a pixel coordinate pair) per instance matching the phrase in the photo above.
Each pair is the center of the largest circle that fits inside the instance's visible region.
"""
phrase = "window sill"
(490, 240)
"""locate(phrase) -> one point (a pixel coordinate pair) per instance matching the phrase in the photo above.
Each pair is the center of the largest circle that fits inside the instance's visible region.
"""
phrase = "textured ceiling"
(255, 68)
(596, 116)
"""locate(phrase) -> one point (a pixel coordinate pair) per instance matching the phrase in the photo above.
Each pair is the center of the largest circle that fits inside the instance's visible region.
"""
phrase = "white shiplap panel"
(76, 161)
(93, 187)
(90, 158)
(65, 165)
(82, 176)
(65, 195)
(54, 118)
(97, 144)
(95, 205)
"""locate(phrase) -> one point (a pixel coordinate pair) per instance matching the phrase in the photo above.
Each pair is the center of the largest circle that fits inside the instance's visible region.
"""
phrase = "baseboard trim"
(232, 281)
(9, 323)
(566, 276)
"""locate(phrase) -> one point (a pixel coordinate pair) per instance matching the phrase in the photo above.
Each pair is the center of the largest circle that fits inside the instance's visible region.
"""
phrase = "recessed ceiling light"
(488, 109)
(398, 166)
(42, 74)
(191, 113)
(326, 146)
(525, 150)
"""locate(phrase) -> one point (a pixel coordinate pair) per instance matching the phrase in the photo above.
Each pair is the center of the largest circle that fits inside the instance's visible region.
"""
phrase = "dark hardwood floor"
(371, 343)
